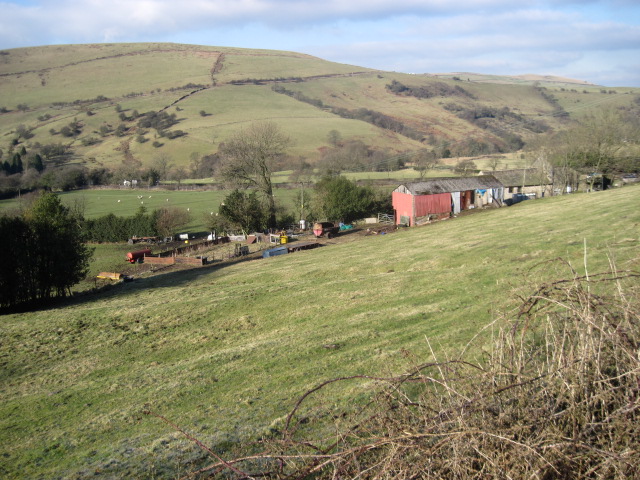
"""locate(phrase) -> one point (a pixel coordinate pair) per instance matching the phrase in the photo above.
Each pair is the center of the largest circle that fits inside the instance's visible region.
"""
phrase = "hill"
(225, 350)
(127, 104)
(529, 79)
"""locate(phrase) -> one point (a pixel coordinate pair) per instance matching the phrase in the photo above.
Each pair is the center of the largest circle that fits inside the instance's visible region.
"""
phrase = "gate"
(386, 218)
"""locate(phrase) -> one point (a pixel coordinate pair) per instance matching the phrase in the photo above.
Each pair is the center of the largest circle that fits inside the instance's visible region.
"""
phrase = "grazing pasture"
(126, 201)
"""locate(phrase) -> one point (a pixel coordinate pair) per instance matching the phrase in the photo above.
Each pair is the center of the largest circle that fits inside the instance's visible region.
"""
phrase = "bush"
(338, 198)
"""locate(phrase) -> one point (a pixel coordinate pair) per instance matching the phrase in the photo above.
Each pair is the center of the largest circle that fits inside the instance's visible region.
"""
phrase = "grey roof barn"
(419, 202)
(450, 184)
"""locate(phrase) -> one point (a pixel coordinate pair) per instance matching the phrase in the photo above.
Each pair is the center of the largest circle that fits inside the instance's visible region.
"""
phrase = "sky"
(597, 41)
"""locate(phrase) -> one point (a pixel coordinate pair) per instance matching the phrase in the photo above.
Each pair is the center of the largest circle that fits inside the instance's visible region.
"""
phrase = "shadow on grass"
(172, 278)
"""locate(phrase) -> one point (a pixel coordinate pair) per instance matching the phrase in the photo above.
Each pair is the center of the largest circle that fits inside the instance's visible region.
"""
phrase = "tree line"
(364, 114)
(44, 253)
(605, 144)
(111, 228)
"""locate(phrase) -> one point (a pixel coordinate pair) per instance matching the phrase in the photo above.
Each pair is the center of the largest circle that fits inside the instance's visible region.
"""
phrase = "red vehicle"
(133, 257)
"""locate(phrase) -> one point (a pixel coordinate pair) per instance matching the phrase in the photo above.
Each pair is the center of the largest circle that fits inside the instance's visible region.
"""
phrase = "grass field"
(125, 202)
(225, 350)
(202, 203)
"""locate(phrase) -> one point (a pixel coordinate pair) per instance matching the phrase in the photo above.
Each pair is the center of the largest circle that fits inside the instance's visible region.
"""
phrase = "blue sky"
(595, 41)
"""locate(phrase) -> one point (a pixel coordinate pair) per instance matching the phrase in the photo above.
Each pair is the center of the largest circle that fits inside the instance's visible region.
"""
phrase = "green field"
(201, 204)
(225, 350)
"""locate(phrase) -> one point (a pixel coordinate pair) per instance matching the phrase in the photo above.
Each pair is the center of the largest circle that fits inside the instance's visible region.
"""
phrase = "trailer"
(137, 257)
(114, 276)
(273, 252)
(150, 240)
(329, 229)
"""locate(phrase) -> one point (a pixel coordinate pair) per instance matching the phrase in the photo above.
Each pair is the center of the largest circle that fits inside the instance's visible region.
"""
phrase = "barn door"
(466, 199)
(455, 202)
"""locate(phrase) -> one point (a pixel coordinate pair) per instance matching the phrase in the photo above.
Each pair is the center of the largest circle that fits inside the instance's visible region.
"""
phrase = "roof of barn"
(450, 184)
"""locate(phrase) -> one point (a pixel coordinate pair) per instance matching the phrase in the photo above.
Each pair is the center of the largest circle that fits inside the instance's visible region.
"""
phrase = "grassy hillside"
(43, 89)
(225, 350)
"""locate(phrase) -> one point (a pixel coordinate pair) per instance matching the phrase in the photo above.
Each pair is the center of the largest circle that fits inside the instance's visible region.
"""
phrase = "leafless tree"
(162, 163)
(170, 220)
(248, 159)
(465, 167)
(425, 160)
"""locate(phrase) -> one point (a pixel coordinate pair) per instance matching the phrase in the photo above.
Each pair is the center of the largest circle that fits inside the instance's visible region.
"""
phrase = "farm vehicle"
(150, 240)
(329, 229)
(137, 257)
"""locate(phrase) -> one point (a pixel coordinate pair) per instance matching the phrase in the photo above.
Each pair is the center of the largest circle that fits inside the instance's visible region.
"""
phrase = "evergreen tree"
(35, 161)
(338, 198)
(16, 164)
(243, 211)
(16, 273)
(48, 255)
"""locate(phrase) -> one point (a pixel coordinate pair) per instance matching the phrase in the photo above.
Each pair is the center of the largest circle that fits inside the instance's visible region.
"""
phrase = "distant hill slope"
(91, 99)
(529, 78)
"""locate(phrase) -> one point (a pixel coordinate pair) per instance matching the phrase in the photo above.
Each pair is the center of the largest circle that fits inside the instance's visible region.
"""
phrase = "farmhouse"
(531, 182)
(417, 203)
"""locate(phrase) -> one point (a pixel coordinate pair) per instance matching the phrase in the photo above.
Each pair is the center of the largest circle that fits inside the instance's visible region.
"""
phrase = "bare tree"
(425, 160)
(178, 174)
(170, 220)
(303, 175)
(494, 162)
(465, 167)
(249, 157)
(162, 163)
(595, 147)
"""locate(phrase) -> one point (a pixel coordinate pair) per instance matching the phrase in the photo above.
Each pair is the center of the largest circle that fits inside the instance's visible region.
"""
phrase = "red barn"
(415, 203)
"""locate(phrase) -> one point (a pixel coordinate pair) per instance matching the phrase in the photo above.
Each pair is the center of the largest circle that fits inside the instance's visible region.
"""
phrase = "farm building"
(531, 182)
(416, 203)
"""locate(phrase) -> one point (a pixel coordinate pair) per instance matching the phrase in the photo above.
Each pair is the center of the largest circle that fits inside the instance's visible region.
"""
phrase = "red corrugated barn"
(415, 203)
